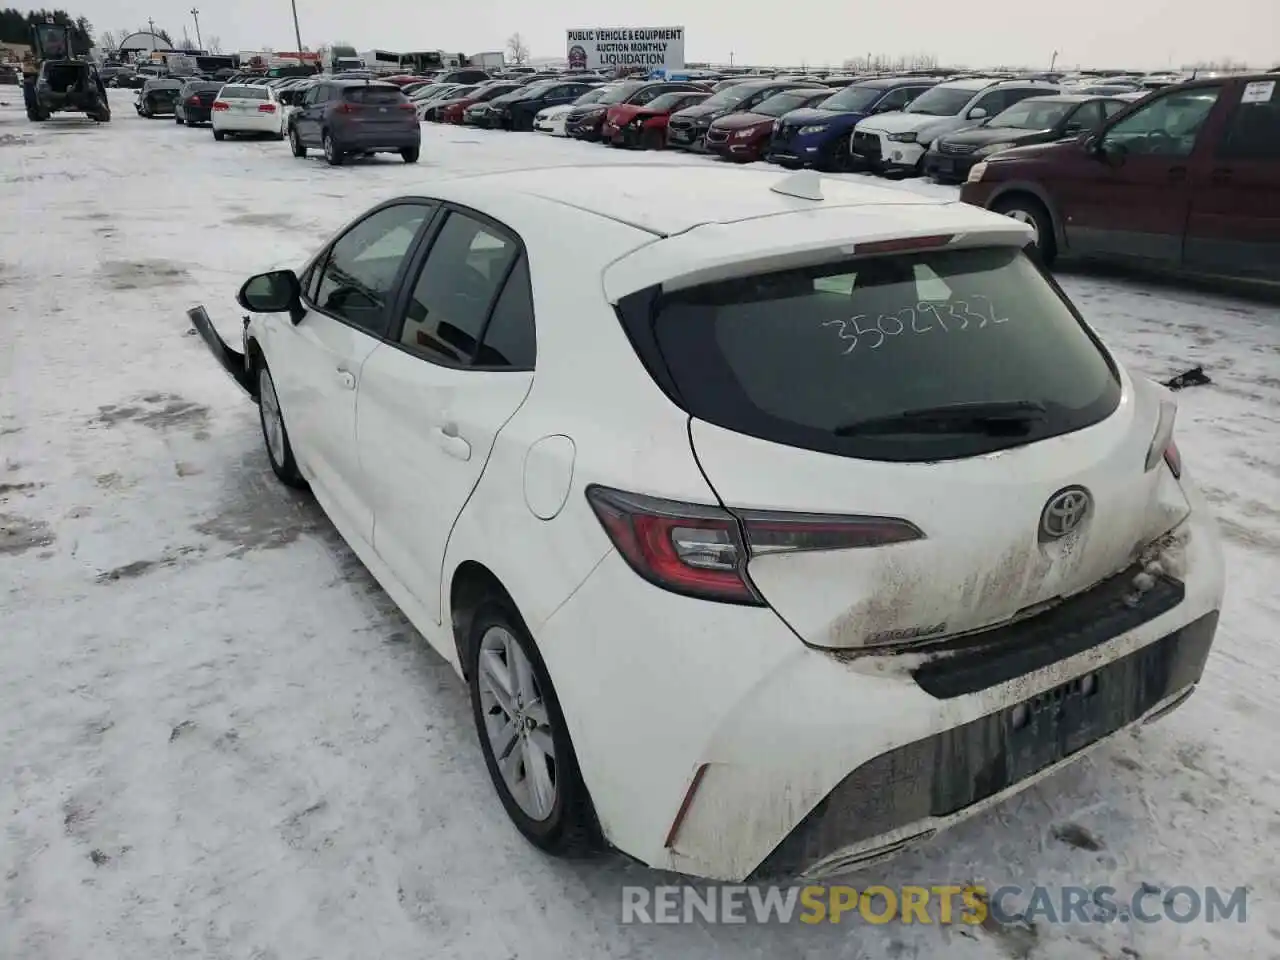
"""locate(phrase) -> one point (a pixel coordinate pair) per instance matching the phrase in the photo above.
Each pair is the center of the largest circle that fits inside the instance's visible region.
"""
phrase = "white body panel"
(655, 685)
(245, 115)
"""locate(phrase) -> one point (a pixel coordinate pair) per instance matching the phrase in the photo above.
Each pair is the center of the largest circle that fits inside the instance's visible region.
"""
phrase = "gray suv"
(355, 118)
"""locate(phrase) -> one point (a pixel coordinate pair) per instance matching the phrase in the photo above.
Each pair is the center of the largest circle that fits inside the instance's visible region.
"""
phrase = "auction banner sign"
(602, 48)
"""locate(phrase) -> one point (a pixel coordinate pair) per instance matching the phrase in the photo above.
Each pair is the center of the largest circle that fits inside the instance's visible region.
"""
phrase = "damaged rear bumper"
(234, 362)
(771, 759)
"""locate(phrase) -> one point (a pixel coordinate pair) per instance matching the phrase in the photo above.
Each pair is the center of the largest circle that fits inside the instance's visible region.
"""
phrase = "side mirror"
(977, 113)
(275, 292)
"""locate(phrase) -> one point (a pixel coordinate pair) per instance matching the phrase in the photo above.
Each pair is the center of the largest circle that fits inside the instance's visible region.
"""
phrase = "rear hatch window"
(374, 96)
(925, 356)
(245, 93)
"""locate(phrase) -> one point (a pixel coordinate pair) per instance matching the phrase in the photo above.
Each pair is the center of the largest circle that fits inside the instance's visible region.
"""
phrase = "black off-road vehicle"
(62, 82)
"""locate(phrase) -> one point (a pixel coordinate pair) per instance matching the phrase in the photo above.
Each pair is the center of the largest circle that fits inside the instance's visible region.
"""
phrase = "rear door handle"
(346, 378)
(447, 439)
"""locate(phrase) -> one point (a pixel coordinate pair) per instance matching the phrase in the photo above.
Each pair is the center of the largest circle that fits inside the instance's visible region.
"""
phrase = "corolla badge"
(1064, 513)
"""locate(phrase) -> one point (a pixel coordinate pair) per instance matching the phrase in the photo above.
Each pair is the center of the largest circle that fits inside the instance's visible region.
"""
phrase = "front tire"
(295, 143)
(523, 735)
(275, 437)
(1028, 210)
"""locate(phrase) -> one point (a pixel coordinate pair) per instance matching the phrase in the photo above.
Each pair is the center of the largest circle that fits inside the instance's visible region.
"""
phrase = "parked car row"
(340, 116)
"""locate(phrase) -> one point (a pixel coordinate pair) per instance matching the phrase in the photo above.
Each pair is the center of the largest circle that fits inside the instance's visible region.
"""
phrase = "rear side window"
(373, 96)
(813, 357)
(1254, 130)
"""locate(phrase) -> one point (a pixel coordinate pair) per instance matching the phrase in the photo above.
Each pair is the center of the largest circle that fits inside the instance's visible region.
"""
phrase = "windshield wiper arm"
(997, 417)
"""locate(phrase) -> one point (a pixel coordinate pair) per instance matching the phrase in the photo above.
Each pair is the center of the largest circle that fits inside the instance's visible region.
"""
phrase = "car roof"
(669, 199)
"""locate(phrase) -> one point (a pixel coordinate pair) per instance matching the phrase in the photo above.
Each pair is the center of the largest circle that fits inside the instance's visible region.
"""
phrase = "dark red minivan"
(1187, 179)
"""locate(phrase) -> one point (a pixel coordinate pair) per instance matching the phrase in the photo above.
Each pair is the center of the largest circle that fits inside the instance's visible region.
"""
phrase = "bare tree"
(215, 45)
(186, 40)
(518, 48)
(107, 40)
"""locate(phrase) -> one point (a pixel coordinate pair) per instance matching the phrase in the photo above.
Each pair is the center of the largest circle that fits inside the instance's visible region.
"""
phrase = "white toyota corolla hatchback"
(775, 523)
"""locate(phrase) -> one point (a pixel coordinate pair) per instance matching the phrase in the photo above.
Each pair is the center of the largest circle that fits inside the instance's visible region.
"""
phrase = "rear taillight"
(266, 108)
(770, 533)
(407, 106)
(193, 101)
(702, 551)
(682, 547)
(221, 105)
(1162, 441)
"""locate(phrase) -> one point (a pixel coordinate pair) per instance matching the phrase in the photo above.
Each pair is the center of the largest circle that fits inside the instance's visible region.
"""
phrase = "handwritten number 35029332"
(946, 316)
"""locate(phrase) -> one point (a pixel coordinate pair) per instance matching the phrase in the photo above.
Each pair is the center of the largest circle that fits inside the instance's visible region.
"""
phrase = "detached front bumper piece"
(233, 361)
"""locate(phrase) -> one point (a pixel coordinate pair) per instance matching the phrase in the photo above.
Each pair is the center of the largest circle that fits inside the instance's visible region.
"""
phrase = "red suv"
(1187, 179)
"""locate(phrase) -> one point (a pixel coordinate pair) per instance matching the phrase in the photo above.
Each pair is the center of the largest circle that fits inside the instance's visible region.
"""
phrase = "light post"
(195, 15)
(297, 34)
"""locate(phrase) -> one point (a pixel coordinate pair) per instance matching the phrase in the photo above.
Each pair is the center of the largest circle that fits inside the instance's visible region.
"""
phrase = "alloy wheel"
(517, 723)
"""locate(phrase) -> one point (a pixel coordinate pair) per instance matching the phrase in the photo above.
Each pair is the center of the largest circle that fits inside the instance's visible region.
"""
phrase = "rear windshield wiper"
(1006, 417)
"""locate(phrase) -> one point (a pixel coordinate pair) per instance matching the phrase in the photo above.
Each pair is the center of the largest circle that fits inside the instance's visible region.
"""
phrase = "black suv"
(516, 110)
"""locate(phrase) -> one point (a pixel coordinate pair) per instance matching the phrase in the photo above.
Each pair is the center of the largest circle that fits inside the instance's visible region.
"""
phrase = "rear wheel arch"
(473, 584)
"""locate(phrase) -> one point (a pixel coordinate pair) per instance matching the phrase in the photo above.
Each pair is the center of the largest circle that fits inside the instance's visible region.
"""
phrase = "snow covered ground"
(219, 739)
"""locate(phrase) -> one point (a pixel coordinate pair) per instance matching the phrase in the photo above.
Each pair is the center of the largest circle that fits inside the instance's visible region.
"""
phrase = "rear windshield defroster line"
(912, 344)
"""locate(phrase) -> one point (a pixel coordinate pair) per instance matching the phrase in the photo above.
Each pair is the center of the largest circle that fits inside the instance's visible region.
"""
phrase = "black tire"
(835, 159)
(570, 829)
(284, 467)
(177, 119)
(35, 115)
(411, 154)
(1028, 209)
(218, 135)
(653, 140)
(332, 154)
(278, 136)
(296, 144)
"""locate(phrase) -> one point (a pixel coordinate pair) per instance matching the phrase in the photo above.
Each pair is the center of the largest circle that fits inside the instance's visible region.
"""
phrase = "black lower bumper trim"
(976, 661)
(944, 774)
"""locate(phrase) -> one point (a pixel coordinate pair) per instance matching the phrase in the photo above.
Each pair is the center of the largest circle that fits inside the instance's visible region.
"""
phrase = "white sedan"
(551, 120)
(775, 523)
(248, 109)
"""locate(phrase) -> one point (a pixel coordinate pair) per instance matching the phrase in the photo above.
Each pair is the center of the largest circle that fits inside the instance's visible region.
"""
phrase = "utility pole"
(730, 58)
(297, 34)
(151, 26)
(195, 15)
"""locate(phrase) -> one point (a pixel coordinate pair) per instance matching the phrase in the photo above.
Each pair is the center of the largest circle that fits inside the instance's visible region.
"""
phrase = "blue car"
(819, 136)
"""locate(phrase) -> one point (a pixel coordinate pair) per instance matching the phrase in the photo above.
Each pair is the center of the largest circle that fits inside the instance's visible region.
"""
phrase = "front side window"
(456, 290)
(891, 358)
(357, 280)
(1165, 127)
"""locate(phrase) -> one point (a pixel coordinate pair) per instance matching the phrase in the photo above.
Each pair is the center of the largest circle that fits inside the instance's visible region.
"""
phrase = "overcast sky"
(1150, 34)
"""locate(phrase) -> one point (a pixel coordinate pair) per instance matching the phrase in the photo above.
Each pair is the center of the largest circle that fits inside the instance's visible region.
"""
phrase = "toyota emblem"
(1064, 513)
